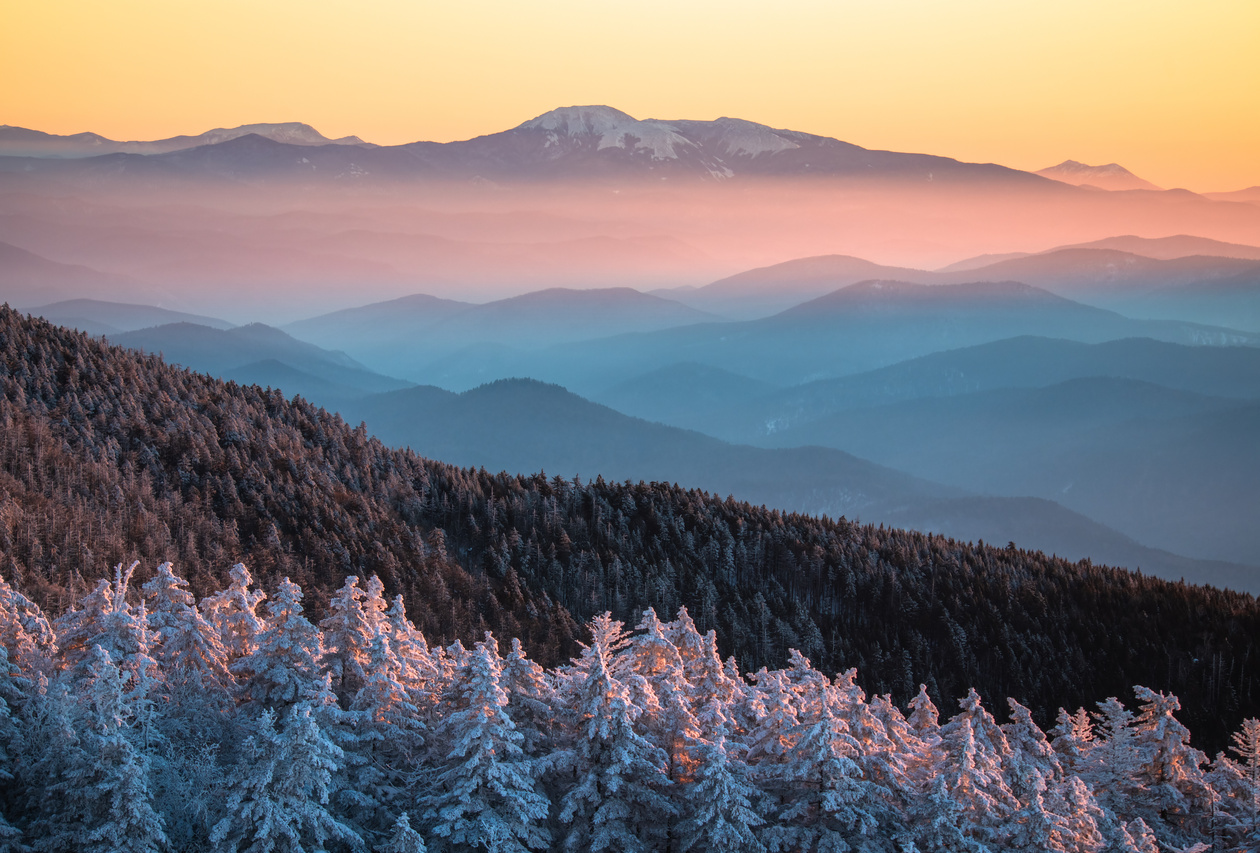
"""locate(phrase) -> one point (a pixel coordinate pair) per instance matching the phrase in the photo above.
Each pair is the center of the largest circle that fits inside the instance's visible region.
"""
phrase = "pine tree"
(531, 698)
(1073, 739)
(974, 751)
(1081, 816)
(419, 667)
(11, 747)
(1169, 777)
(1136, 837)
(1247, 748)
(1033, 829)
(25, 633)
(1113, 762)
(189, 651)
(487, 799)
(1031, 753)
(670, 724)
(108, 620)
(831, 805)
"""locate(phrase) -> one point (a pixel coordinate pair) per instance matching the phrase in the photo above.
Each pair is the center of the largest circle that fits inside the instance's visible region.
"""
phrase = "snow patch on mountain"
(614, 129)
(738, 136)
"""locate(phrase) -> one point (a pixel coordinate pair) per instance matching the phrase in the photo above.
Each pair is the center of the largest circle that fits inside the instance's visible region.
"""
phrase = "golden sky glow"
(1171, 90)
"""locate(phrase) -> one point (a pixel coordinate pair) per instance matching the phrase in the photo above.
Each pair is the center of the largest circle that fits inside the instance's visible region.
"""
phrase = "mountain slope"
(854, 329)
(1104, 273)
(1171, 469)
(109, 456)
(1024, 362)
(30, 279)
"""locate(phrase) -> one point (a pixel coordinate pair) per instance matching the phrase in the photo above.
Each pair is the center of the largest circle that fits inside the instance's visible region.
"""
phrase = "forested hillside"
(107, 456)
(238, 723)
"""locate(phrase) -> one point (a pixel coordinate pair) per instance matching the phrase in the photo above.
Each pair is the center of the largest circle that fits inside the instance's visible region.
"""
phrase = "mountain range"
(1121, 271)
(572, 142)
(110, 456)
(525, 425)
(22, 142)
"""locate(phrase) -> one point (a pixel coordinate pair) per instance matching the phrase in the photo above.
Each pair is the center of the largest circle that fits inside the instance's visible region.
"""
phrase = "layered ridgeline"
(108, 456)
(144, 721)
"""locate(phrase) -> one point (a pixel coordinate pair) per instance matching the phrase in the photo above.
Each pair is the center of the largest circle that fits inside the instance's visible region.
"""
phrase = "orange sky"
(1170, 90)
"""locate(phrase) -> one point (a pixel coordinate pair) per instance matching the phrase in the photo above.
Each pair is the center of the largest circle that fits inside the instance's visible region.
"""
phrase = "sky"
(1170, 90)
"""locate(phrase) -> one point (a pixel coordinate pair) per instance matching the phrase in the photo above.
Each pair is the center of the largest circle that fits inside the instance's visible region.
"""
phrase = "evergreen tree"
(924, 724)
(25, 633)
(1169, 777)
(1073, 739)
(487, 799)
(348, 632)
(1247, 747)
(831, 805)
(974, 752)
(189, 651)
(1136, 837)
(101, 790)
(1113, 761)
(108, 620)
(280, 802)
(670, 723)
(403, 839)
(282, 669)
(721, 812)
(234, 613)
(617, 802)
(1081, 816)
(1033, 829)
(1031, 753)
(531, 699)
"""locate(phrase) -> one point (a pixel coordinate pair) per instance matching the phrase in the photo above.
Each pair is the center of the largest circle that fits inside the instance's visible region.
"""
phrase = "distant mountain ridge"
(23, 142)
(1110, 269)
(1112, 176)
(587, 142)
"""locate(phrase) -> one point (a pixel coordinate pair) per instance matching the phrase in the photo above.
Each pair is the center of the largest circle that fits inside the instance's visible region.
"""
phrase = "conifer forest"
(304, 640)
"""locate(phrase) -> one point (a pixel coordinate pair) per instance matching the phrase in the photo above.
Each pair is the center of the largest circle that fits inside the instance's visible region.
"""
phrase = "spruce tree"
(279, 804)
(721, 805)
(487, 795)
(283, 667)
(617, 801)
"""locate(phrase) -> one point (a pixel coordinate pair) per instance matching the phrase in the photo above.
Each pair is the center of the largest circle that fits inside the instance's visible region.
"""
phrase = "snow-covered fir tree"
(280, 802)
(646, 742)
(487, 796)
(617, 800)
(721, 805)
(283, 667)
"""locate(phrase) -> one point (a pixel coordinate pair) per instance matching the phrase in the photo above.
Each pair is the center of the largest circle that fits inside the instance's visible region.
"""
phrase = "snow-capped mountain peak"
(613, 128)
